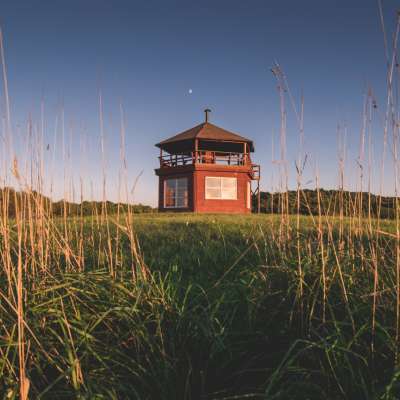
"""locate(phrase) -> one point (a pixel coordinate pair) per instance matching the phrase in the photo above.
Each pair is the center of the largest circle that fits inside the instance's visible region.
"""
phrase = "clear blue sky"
(148, 54)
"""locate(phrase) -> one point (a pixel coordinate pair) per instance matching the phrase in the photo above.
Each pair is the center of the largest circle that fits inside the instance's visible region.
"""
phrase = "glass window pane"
(229, 194)
(181, 202)
(213, 193)
(213, 187)
(228, 182)
(176, 192)
(229, 188)
(213, 182)
(182, 192)
(169, 193)
(182, 183)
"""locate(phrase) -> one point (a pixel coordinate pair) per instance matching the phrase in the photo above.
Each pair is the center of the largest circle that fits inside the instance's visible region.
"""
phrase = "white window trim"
(176, 189)
(220, 188)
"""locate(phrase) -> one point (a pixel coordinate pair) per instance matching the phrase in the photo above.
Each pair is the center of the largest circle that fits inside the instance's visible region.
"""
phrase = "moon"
(190, 91)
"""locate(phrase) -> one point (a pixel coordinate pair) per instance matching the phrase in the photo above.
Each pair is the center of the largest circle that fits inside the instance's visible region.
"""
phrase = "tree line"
(329, 202)
(12, 201)
(309, 202)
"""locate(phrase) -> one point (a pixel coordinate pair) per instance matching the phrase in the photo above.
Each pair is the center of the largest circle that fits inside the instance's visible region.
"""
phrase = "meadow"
(167, 306)
(98, 301)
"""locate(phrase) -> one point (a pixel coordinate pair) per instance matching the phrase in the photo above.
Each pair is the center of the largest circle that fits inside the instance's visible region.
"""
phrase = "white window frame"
(176, 190)
(221, 192)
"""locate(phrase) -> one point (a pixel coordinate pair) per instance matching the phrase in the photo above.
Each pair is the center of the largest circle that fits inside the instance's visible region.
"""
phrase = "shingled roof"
(206, 131)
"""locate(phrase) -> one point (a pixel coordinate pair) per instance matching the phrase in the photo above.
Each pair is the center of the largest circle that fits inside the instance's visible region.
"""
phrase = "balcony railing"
(255, 172)
(205, 157)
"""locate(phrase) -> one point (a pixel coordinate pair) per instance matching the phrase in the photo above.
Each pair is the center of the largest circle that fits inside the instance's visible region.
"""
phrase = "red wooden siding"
(197, 201)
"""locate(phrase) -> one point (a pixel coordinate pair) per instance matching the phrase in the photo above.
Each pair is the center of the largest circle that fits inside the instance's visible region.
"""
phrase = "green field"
(203, 307)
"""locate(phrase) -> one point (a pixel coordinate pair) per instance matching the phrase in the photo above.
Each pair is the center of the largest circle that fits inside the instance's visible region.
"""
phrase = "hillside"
(61, 207)
(331, 202)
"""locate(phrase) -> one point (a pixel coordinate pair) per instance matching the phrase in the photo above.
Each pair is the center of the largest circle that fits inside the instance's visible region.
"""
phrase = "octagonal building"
(207, 169)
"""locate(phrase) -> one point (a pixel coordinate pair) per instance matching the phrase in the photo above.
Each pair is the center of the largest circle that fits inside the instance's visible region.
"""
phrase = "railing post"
(196, 149)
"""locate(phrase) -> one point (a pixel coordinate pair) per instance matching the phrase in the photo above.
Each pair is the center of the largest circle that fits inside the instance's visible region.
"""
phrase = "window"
(176, 193)
(221, 188)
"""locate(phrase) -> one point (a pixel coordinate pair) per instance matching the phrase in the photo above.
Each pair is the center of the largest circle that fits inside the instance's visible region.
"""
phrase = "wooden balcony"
(205, 157)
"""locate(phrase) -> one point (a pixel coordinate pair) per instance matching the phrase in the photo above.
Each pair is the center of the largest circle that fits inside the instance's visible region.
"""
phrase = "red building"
(207, 169)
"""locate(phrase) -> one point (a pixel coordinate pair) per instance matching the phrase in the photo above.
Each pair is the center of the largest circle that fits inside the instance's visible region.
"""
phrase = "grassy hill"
(199, 307)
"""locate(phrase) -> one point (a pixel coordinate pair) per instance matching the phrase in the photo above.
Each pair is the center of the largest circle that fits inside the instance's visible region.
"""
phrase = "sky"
(164, 61)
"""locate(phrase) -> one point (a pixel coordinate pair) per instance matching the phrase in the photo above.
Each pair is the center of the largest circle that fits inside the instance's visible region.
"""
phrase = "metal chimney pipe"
(206, 111)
